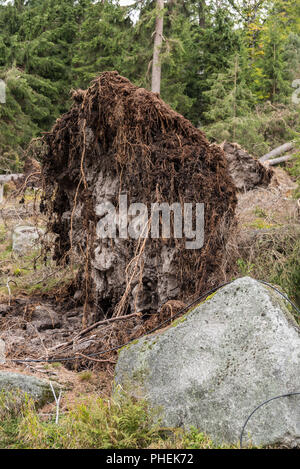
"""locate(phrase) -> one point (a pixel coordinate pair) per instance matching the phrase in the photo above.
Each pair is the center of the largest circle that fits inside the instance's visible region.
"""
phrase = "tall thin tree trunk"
(201, 13)
(236, 64)
(156, 64)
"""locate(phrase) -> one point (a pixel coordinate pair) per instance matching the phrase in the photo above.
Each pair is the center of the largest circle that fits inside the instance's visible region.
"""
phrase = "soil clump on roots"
(119, 139)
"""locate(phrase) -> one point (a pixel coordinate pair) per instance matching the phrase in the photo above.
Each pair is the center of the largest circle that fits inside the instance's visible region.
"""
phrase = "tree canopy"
(219, 60)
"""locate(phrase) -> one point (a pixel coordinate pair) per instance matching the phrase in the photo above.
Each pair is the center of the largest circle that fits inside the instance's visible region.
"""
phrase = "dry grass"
(275, 204)
(35, 272)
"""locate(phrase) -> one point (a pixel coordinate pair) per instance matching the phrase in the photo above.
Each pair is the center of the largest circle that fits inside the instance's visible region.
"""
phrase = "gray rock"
(4, 309)
(2, 352)
(222, 359)
(25, 238)
(44, 318)
(37, 389)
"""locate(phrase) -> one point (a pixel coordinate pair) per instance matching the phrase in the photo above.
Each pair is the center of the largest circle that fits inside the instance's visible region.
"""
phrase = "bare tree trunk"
(201, 12)
(156, 65)
(277, 151)
(281, 159)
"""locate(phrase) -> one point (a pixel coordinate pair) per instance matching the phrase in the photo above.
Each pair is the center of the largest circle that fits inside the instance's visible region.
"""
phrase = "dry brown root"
(116, 139)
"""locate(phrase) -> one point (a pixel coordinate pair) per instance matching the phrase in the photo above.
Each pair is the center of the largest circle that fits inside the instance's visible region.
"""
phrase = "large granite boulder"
(214, 365)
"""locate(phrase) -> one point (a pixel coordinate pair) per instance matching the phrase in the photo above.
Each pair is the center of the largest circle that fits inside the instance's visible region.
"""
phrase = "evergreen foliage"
(220, 60)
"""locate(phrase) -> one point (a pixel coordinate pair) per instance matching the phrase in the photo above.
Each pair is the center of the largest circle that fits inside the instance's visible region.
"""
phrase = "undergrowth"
(258, 131)
(275, 258)
(294, 171)
(95, 423)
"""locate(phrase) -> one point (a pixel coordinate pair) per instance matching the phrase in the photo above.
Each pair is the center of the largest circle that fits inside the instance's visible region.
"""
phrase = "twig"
(57, 400)
(96, 359)
(277, 151)
(105, 321)
(93, 326)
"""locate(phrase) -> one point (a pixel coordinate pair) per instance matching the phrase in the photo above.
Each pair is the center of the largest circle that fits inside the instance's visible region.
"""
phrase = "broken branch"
(281, 159)
(277, 151)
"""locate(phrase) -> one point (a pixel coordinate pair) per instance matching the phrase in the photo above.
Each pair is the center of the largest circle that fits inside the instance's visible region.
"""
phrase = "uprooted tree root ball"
(246, 171)
(120, 139)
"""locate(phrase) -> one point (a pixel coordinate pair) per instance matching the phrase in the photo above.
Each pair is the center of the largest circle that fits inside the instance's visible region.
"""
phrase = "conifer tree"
(229, 95)
(103, 42)
(36, 43)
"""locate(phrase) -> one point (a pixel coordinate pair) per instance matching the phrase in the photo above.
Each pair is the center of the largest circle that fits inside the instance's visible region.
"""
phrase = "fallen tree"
(246, 171)
(281, 159)
(277, 151)
(120, 139)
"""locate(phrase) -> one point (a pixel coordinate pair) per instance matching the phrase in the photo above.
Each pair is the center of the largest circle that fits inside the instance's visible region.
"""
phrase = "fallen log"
(281, 159)
(277, 151)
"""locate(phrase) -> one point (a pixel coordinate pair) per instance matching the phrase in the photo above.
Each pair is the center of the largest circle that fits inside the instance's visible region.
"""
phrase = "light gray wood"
(277, 151)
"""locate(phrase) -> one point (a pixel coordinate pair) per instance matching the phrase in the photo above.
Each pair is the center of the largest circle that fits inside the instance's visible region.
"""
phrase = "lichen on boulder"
(230, 354)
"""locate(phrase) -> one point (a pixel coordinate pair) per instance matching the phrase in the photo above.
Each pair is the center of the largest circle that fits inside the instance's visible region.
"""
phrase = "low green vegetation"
(275, 258)
(94, 423)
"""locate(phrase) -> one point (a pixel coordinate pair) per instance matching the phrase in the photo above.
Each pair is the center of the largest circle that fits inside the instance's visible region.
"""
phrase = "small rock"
(25, 238)
(38, 389)
(44, 318)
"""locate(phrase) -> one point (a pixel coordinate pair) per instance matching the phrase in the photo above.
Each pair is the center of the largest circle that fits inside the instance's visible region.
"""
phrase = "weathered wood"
(158, 39)
(277, 151)
(4, 178)
(281, 159)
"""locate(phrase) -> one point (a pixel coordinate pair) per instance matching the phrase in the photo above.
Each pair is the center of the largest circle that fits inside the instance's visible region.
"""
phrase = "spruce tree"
(103, 42)
(36, 43)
